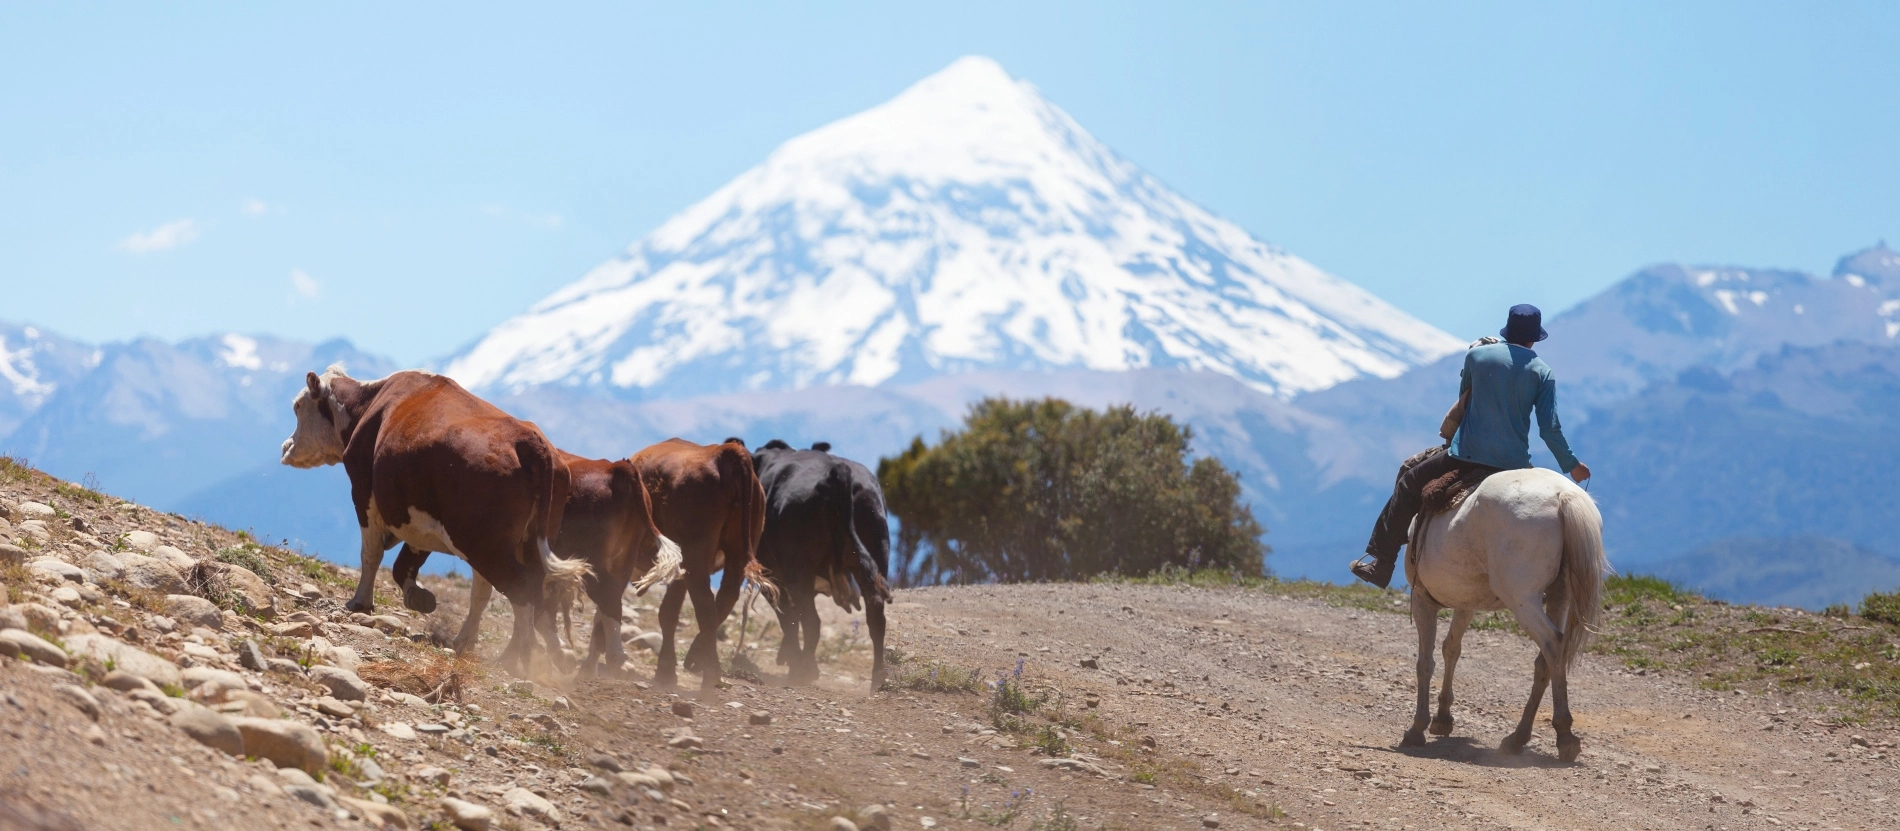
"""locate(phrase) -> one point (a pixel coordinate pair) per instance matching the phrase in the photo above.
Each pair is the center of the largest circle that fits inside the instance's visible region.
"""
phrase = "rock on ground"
(286, 744)
(342, 683)
(21, 643)
(194, 611)
(468, 816)
(209, 729)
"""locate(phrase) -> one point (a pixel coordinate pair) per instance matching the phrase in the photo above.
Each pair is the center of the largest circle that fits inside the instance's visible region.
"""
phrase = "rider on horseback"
(1501, 384)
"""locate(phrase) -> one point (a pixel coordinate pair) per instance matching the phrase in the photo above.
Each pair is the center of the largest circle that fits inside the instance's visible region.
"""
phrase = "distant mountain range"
(873, 278)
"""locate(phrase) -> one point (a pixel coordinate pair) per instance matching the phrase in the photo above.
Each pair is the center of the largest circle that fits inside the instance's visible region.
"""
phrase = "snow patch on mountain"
(966, 224)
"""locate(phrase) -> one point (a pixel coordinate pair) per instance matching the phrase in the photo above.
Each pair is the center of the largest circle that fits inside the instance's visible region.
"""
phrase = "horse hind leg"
(1568, 745)
(1454, 645)
(1425, 618)
(1548, 670)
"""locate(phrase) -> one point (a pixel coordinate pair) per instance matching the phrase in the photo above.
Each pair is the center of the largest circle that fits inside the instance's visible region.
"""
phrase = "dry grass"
(437, 678)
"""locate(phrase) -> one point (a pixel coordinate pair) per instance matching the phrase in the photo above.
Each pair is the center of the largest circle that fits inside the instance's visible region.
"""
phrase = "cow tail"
(667, 564)
(737, 469)
(544, 522)
(870, 578)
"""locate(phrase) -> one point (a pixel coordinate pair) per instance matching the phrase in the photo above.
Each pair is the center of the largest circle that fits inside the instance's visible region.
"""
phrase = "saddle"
(1449, 491)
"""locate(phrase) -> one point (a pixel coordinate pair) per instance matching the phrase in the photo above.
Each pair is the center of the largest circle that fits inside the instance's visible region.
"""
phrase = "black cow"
(826, 532)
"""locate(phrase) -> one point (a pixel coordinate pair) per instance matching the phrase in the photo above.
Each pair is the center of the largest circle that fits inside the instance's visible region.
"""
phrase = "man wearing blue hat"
(1502, 384)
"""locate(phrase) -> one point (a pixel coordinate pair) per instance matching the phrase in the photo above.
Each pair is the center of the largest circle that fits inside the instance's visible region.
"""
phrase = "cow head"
(318, 439)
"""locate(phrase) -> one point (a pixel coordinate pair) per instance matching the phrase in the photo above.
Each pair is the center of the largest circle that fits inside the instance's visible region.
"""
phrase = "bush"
(1882, 606)
(1635, 588)
(1045, 490)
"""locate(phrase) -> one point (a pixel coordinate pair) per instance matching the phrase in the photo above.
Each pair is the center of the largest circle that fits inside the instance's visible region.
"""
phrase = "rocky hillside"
(161, 673)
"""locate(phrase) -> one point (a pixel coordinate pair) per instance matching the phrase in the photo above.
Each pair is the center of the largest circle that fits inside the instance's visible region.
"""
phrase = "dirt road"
(1304, 704)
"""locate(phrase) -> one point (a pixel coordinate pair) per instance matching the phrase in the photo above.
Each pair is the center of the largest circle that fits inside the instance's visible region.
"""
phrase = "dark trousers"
(1395, 522)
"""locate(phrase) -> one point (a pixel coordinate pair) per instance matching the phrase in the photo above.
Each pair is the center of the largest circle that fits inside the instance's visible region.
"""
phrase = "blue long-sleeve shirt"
(1507, 382)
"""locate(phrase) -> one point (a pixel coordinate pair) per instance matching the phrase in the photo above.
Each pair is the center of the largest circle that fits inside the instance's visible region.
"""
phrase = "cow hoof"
(1413, 738)
(352, 606)
(419, 599)
(1441, 726)
(1513, 744)
(665, 681)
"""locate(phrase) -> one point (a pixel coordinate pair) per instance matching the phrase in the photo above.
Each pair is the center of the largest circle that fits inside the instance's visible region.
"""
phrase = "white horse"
(1526, 540)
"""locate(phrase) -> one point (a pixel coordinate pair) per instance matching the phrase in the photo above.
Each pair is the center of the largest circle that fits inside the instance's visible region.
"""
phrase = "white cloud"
(304, 285)
(256, 207)
(167, 236)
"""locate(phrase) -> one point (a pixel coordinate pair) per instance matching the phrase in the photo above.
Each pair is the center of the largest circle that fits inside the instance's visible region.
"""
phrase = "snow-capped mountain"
(33, 365)
(966, 224)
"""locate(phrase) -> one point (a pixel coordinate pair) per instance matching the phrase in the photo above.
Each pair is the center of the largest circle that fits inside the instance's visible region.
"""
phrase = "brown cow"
(608, 523)
(707, 499)
(434, 466)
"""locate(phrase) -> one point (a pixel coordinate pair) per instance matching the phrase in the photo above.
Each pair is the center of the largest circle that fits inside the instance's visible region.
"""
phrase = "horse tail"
(1582, 570)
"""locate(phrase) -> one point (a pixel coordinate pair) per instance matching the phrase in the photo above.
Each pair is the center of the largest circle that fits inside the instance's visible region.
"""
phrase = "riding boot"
(1377, 571)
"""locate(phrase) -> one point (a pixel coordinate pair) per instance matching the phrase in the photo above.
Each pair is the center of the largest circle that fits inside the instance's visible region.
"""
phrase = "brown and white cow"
(707, 499)
(432, 465)
(607, 523)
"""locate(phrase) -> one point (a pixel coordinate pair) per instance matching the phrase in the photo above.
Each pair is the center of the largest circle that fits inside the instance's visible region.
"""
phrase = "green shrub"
(1882, 606)
(1636, 588)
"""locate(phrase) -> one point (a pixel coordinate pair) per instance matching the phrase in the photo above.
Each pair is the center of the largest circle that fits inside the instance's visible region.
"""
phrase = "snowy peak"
(966, 224)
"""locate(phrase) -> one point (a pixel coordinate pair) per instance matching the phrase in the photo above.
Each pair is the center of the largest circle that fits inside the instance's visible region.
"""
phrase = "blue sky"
(407, 177)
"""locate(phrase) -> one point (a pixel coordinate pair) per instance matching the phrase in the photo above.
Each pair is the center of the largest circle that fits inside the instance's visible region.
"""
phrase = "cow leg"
(479, 593)
(517, 655)
(544, 620)
(666, 676)
(407, 568)
(374, 539)
(706, 640)
(787, 626)
(874, 620)
(606, 629)
(805, 667)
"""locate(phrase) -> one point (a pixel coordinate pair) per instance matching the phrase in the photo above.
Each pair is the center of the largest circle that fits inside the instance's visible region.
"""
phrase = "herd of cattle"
(435, 468)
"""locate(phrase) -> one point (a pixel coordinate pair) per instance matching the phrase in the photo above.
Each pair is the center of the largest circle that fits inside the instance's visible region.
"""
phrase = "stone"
(686, 741)
(605, 762)
(67, 596)
(249, 589)
(284, 665)
(842, 824)
(151, 574)
(251, 657)
(34, 510)
(19, 643)
(526, 803)
(104, 566)
(123, 681)
(286, 744)
(1091, 663)
(12, 555)
(468, 816)
(597, 786)
(294, 629)
(158, 702)
(314, 794)
(141, 540)
(192, 610)
(561, 703)
(376, 814)
(57, 570)
(968, 762)
(247, 703)
(758, 717)
(344, 658)
(162, 624)
(341, 683)
(178, 559)
(195, 676)
(332, 707)
(431, 774)
(389, 623)
(649, 641)
(11, 618)
(1210, 821)
(683, 708)
(309, 591)
(875, 816)
(79, 698)
(662, 778)
(209, 729)
(400, 730)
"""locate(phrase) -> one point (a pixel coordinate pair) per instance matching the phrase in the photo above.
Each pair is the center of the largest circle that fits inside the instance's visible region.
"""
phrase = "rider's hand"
(1580, 472)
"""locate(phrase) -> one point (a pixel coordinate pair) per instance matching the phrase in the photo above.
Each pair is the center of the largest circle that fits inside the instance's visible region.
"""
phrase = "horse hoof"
(1512, 744)
(352, 606)
(1569, 749)
(1441, 726)
(1413, 738)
